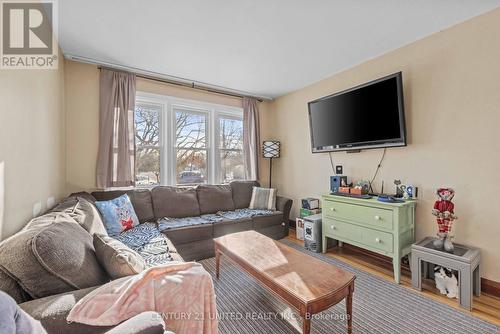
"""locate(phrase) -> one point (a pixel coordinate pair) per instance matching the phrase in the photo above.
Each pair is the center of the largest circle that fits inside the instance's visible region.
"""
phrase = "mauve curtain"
(116, 157)
(251, 138)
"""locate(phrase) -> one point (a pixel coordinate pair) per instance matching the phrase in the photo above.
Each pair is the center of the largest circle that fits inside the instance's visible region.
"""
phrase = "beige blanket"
(182, 293)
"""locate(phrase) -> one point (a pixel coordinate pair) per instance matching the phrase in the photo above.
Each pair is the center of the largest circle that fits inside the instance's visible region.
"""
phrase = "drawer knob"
(332, 209)
(377, 217)
(333, 227)
(377, 240)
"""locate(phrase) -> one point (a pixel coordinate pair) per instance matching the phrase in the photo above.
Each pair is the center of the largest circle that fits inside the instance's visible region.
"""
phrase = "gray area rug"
(379, 306)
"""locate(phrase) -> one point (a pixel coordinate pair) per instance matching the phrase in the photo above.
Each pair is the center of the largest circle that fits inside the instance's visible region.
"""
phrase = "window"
(183, 142)
(148, 149)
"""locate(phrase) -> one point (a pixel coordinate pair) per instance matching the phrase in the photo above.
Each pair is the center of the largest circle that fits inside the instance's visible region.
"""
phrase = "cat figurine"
(446, 281)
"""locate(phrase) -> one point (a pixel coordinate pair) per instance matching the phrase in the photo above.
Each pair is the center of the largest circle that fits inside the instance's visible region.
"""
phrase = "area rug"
(379, 306)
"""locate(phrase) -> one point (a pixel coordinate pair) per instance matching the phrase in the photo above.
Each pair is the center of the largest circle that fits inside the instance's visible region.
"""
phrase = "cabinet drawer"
(365, 236)
(341, 229)
(364, 215)
(377, 239)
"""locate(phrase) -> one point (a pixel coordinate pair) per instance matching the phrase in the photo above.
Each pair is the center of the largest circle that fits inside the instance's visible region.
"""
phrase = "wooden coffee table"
(306, 283)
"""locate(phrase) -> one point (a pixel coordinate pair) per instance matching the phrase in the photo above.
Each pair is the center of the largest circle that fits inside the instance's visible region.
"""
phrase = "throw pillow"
(118, 215)
(263, 199)
(118, 259)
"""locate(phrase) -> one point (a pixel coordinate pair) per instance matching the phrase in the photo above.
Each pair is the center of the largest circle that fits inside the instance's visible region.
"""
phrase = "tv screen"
(366, 116)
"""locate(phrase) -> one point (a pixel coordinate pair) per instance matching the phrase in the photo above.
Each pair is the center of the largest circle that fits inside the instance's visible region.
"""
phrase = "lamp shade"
(271, 149)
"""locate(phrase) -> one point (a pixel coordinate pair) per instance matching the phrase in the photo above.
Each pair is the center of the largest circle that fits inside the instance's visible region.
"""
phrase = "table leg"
(477, 282)
(416, 272)
(217, 263)
(306, 324)
(465, 284)
(348, 303)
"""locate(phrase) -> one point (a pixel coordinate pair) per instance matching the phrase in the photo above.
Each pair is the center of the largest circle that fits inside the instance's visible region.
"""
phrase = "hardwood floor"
(485, 307)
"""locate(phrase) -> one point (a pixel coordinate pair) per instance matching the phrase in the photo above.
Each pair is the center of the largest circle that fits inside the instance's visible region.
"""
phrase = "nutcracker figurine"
(443, 210)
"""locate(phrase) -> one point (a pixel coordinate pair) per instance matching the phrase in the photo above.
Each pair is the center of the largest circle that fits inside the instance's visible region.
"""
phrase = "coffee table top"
(301, 275)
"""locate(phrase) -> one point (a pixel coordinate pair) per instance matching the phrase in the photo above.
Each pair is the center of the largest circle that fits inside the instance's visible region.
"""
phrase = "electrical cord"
(331, 162)
(378, 168)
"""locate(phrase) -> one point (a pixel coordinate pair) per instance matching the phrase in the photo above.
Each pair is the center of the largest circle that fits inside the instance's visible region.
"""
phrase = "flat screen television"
(366, 116)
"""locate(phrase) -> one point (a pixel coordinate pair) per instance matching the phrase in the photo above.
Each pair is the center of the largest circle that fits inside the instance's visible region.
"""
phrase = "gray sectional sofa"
(51, 264)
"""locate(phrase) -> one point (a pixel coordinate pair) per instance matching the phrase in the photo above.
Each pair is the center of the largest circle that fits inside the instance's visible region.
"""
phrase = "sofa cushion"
(118, 259)
(51, 255)
(189, 234)
(84, 212)
(214, 198)
(175, 202)
(9, 285)
(53, 310)
(118, 214)
(242, 193)
(154, 247)
(227, 226)
(172, 223)
(275, 218)
(140, 198)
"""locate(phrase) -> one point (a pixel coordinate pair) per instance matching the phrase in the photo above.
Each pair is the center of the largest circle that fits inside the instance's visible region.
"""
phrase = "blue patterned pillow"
(118, 215)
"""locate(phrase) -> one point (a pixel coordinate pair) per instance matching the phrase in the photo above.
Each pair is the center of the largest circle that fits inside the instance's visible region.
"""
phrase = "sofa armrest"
(52, 311)
(284, 205)
(144, 323)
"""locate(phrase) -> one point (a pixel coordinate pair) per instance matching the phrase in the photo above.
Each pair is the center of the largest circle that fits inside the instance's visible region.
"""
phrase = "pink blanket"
(182, 293)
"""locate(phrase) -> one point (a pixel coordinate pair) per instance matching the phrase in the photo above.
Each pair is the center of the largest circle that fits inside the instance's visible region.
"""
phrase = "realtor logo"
(29, 34)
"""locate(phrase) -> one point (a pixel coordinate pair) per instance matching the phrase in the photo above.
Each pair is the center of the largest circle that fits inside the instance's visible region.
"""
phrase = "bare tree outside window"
(147, 135)
(191, 147)
(231, 149)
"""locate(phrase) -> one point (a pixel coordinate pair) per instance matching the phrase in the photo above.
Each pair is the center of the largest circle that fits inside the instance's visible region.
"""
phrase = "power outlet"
(51, 202)
(37, 209)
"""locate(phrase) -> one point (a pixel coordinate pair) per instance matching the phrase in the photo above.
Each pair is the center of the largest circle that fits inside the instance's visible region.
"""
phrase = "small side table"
(464, 259)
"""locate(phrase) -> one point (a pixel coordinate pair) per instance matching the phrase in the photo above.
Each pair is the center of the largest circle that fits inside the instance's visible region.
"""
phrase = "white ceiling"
(264, 47)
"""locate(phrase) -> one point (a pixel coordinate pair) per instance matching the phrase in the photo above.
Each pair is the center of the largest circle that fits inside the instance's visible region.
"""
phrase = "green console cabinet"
(384, 228)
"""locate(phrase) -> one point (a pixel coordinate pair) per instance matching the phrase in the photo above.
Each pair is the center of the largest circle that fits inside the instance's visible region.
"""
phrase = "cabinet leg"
(324, 245)
(396, 263)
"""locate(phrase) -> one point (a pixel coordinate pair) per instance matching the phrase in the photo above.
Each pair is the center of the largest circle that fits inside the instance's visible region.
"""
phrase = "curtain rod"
(155, 76)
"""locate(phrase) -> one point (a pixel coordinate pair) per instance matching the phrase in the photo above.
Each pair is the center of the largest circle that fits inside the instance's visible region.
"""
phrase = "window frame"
(167, 128)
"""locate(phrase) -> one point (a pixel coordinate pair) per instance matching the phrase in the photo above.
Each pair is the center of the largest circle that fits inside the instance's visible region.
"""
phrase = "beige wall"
(32, 142)
(82, 110)
(452, 100)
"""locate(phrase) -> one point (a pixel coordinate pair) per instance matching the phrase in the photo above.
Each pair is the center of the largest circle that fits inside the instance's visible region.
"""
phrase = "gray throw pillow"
(263, 199)
(118, 259)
